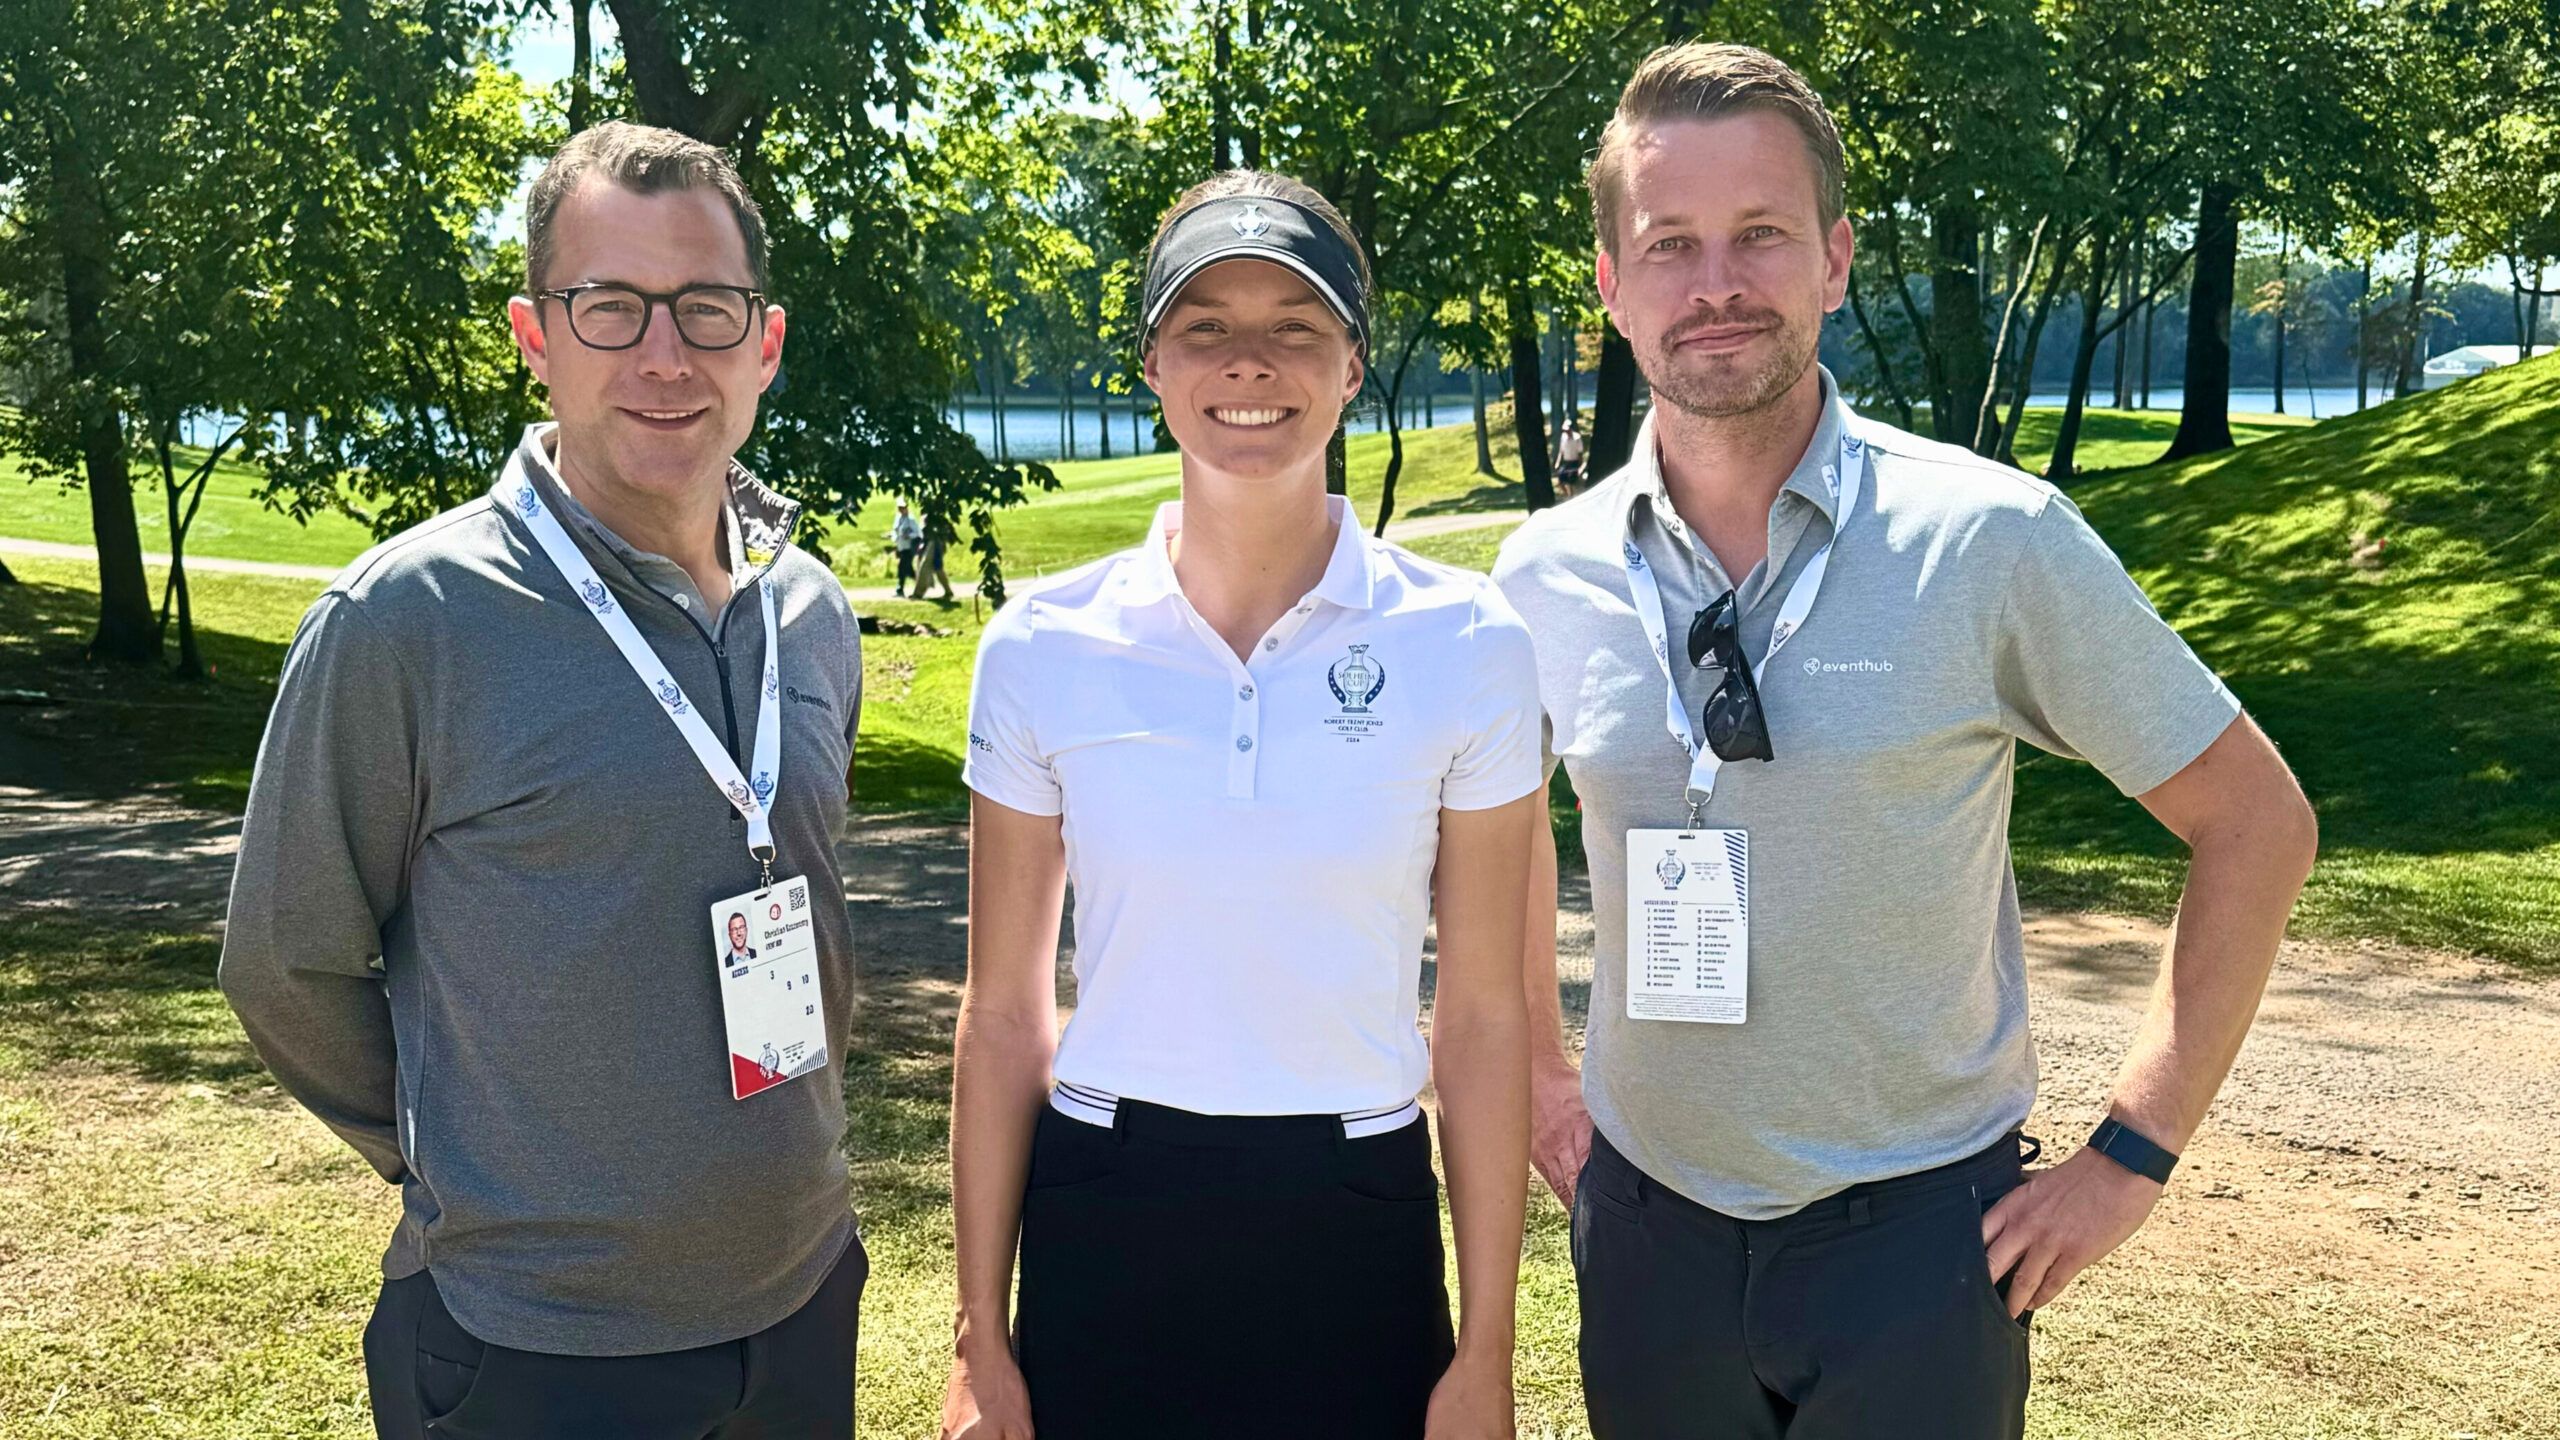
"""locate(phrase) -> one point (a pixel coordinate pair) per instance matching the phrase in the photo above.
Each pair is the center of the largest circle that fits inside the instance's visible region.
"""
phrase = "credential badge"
(1251, 223)
(1356, 680)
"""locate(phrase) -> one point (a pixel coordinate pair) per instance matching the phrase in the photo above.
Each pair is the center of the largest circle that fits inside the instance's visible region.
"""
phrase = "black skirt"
(1236, 1276)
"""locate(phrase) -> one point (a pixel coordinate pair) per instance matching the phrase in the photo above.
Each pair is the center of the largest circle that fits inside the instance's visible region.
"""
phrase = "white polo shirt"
(1251, 842)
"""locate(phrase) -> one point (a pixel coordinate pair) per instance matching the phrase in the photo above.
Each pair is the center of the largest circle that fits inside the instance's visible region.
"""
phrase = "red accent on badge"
(747, 1077)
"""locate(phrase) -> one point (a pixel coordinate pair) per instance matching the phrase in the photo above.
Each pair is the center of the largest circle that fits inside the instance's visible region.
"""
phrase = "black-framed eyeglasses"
(1737, 728)
(616, 317)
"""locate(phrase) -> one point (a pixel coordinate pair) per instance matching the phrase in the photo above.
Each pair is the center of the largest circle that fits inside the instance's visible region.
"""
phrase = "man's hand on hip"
(1559, 1127)
(2062, 1221)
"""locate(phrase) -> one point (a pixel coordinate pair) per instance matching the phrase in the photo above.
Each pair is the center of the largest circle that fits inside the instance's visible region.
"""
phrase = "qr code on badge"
(799, 897)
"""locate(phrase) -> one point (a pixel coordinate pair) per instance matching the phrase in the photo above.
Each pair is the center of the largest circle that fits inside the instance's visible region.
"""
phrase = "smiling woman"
(1264, 705)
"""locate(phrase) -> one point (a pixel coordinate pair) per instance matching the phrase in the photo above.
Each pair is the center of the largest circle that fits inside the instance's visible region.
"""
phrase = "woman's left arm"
(1480, 1065)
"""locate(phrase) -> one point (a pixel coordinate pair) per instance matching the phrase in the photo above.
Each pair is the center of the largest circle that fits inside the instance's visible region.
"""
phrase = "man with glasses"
(553, 712)
(1786, 656)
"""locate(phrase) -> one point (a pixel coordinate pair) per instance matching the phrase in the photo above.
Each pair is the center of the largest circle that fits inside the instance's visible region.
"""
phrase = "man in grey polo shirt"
(492, 849)
(1803, 1212)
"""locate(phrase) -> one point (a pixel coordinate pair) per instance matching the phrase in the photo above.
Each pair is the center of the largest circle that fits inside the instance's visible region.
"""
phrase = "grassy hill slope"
(2416, 689)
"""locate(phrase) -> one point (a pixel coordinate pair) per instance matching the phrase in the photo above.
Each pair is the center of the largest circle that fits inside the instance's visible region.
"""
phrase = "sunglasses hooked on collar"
(1735, 726)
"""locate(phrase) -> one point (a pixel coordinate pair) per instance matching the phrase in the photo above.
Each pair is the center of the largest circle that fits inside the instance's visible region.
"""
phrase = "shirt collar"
(757, 520)
(1347, 580)
(1805, 480)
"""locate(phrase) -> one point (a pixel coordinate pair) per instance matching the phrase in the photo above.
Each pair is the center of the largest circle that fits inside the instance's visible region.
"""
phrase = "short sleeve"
(1005, 762)
(1512, 581)
(2086, 668)
(1498, 757)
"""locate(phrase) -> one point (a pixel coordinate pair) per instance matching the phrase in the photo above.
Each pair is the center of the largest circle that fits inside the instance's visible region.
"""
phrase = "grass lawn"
(190, 1255)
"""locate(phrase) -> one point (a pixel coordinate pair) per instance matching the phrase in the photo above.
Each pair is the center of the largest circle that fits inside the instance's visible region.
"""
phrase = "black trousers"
(1871, 1313)
(791, 1381)
(1239, 1277)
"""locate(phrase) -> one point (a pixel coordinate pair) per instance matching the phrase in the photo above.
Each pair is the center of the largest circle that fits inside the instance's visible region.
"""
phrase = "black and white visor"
(1256, 227)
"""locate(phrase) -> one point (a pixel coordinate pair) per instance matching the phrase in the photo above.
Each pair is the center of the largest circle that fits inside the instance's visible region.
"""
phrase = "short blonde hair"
(1706, 82)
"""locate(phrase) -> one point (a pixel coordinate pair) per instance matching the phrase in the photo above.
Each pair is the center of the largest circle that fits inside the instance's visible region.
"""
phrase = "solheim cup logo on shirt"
(1670, 871)
(1356, 680)
(598, 598)
(671, 697)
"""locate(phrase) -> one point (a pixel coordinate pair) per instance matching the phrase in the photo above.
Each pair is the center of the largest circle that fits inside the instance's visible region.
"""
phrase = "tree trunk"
(1536, 481)
(2364, 339)
(1102, 416)
(125, 632)
(2284, 300)
(581, 65)
(1484, 440)
(2084, 363)
(1613, 407)
(2150, 313)
(2413, 349)
(2130, 277)
(1337, 462)
(1875, 349)
(2204, 419)
(1955, 321)
(2006, 452)
(190, 659)
(1986, 426)
(1222, 64)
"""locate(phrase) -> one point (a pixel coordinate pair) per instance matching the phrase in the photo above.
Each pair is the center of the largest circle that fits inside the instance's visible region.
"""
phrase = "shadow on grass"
(105, 730)
(138, 1002)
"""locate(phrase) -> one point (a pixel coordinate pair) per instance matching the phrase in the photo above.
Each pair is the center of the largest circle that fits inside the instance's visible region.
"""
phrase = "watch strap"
(2133, 1150)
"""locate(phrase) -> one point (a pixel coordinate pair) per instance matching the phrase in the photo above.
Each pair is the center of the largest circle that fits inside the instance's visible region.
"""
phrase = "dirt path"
(2386, 1130)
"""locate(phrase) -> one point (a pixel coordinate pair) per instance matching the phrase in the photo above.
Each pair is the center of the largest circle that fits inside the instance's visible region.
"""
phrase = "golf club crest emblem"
(1356, 680)
(598, 598)
(1250, 222)
(1670, 870)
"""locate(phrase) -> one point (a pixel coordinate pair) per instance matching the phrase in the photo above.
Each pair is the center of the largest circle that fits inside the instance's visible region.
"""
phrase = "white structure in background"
(2466, 362)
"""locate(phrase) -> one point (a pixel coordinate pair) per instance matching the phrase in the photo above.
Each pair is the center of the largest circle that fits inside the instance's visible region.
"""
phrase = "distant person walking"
(1266, 747)
(906, 538)
(929, 565)
(528, 769)
(1570, 450)
(1792, 1148)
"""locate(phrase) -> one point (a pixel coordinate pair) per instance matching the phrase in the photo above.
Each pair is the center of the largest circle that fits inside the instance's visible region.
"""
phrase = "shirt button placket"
(1245, 724)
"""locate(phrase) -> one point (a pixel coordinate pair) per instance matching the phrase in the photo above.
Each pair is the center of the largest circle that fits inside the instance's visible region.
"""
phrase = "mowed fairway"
(2364, 1244)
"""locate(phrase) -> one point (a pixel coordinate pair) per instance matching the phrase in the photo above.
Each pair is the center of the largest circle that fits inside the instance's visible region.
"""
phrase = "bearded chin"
(1720, 395)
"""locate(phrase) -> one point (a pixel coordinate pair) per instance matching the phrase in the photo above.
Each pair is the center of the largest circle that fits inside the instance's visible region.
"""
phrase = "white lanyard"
(754, 799)
(1843, 481)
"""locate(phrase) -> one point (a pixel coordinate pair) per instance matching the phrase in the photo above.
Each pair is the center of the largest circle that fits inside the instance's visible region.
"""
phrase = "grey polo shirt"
(471, 928)
(1967, 607)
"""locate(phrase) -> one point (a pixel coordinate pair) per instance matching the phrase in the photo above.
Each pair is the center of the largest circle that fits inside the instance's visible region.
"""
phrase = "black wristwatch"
(2133, 1150)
